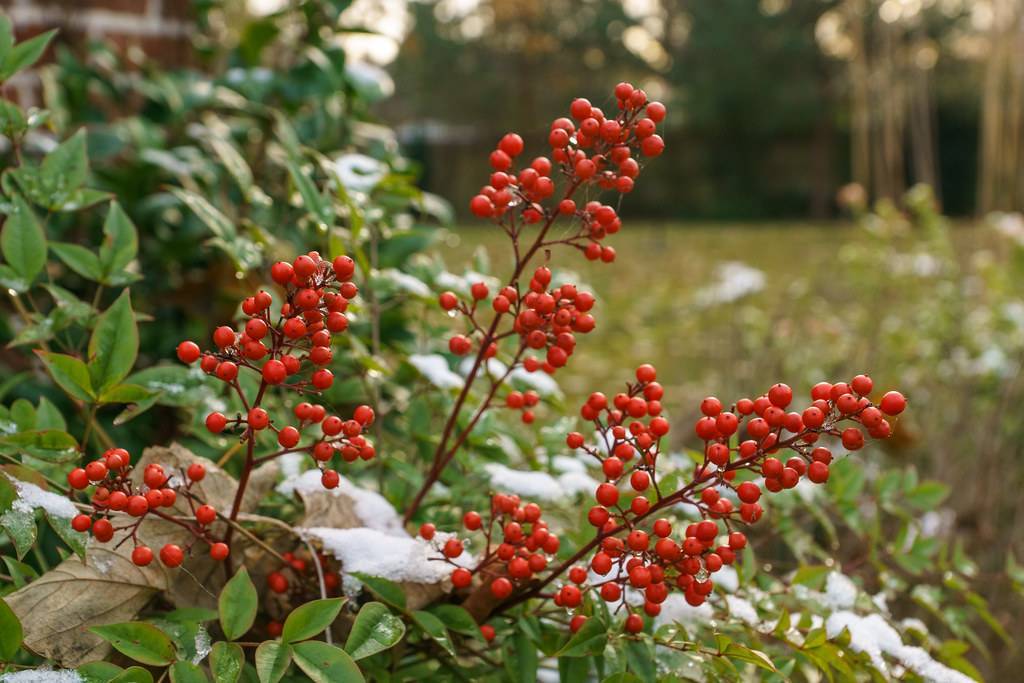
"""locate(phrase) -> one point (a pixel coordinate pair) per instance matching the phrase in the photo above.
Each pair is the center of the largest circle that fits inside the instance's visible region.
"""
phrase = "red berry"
(274, 371)
(219, 552)
(487, 631)
(277, 582)
(196, 472)
(81, 523)
(171, 555)
(330, 479)
(142, 556)
(634, 623)
(188, 352)
(216, 422)
(258, 418)
(462, 577)
(501, 588)
(427, 530)
(205, 514)
(893, 403)
(78, 479)
(103, 530)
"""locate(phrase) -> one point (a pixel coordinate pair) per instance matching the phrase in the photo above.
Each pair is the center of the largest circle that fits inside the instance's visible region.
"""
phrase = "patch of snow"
(733, 280)
(675, 610)
(42, 676)
(539, 485)
(291, 464)
(405, 282)
(359, 172)
(727, 579)
(372, 508)
(540, 381)
(566, 463)
(203, 644)
(375, 553)
(31, 497)
(742, 609)
(875, 637)
(840, 591)
(435, 368)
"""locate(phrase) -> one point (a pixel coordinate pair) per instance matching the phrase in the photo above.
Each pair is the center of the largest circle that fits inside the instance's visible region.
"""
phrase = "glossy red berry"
(142, 556)
(171, 555)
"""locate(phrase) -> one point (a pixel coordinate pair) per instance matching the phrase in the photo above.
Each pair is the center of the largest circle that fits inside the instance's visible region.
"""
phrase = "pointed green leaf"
(457, 619)
(237, 605)
(138, 640)
(49, 417)
(8, 494)
(126, 393)
(47, 444)
(67, 166)
(23, 241)
(375, 629)
(226, 662)
(20, 526)
(79, 259)
(70, 373)
(74, 539)
(434, 628)
(521, 658)
(589, 640)
(219, 224)
(114, 344)
(388, 591)
(324, 663)
(272, 660)
(120, 242)
(309, 619)
(25, 54)
(10, 633)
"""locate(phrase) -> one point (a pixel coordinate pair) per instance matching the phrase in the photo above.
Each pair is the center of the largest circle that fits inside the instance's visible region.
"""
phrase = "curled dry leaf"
(57, 609)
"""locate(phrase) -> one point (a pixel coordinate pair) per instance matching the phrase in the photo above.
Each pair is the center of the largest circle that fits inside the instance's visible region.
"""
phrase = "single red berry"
(893, 403)
(330, 479)
(205, 514)
(277, 582)
(142, 556)
(78, 479)
(462, 577)
(171, 555)
(487, 631)
(258, 418)
(427, 530)
(634, 623)
(215, 422)
(196, 471)
(501, 588)
(274, 371)
(188, 352)
(81, 523)
(219, 552)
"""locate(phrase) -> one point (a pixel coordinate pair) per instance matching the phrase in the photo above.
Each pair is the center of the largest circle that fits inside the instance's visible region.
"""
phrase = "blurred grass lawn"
(645, 296)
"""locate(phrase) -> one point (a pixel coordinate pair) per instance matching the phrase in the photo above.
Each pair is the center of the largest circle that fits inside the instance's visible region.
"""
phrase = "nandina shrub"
(591, 587)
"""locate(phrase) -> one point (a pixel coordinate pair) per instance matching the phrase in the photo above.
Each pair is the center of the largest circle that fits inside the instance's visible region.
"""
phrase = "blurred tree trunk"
(1000, 179)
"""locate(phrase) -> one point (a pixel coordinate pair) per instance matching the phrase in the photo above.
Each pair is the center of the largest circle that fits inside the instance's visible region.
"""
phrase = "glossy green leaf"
(375, 629)
(10, 633)
(114, 344)
(8, 494)
(272, 660)
(388, 591)
(48, 444)
(133, 674)
(70, 374)
(746, 654)
(310, 619)
(237, 605)
(187, 672)
(138, 640)
(226, 662)
(325, 663)
(126, 393)
(67, 166)
(99, 672)
(23, 242)
(120, 242)
(457, 619)
(434, 628)
(20, 526)
(521, 659)
(589, 640)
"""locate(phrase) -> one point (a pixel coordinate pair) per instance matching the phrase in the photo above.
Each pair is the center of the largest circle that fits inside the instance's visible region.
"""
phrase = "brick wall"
(161, 29)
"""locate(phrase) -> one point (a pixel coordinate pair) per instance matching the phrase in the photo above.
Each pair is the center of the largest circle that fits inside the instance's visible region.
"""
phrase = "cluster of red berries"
(590, 148)
(544, 320)
(114, 492)
(518, 545)
(317, 294)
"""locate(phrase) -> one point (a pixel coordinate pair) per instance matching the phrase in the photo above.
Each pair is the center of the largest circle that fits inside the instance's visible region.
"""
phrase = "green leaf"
(811, 575)
(133, 674)
(114, 344)
(67, 166)
(746, 654)
(237, 605)
(8, 494)
(25, 54)
(927, 495)
(79, 259)
(74, 539)
(640, 659)
(187, 672)
(388, 591)
(272, 660)
(226, 662)
(457, 619)
(6, 37)
(10, 633)
(311, 198)
(308, 620)
(20, 526)
(138, 640)
(23, 241)
(20, 572)
(50, 445)
(126, 393)
(434, 628)
(325, 663)
(70, 373)
(521, 658)
(219, 224)
(375, 629)
(622, 677)
(99, 672)
(589, 640)
(12, 119)
(120, 242)
(49, 417)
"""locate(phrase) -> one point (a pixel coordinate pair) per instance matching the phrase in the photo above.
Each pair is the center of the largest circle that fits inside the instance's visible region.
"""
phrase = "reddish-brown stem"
(443, 454)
